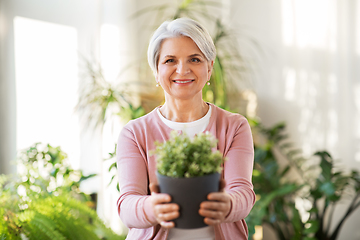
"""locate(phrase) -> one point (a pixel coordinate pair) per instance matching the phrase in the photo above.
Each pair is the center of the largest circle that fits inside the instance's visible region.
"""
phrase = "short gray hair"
(176, 28)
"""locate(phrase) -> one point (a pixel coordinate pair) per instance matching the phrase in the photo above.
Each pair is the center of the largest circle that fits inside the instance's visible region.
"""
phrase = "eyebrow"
(192, 55)
(169, 56)
(196, 55)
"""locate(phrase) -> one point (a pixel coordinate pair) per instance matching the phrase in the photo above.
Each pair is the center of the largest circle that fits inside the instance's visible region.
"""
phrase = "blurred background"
(73, 72)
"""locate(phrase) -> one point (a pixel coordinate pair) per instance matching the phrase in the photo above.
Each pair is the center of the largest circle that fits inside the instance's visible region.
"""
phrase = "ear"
(210, 68)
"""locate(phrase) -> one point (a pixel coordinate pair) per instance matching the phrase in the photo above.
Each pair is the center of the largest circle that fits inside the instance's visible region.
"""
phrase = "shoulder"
(224, 117)
(138, 127)
(144, 121)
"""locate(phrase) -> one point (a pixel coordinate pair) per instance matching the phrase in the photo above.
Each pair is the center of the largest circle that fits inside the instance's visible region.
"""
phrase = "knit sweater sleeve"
(133, 204)
(238, 171)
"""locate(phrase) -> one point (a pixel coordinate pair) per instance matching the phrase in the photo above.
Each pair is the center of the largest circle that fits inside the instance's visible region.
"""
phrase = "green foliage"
(44, 201)
(130, 112)
(181, 156)
(322, 186)
(275, 203)
(45, 169)
(329, 188)
(99, 99)
(48, 217)
(113, 168)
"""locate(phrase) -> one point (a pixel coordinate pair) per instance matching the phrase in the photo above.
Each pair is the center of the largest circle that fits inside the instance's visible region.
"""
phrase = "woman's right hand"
(163, 210)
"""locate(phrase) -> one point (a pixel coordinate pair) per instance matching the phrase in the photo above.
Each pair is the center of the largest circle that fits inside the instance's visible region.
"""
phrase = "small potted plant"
(188, 169)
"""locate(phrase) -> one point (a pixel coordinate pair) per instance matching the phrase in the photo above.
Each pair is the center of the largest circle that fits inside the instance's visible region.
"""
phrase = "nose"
(182, 68)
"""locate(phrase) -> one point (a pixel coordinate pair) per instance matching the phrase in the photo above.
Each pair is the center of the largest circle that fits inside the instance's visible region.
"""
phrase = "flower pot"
(188, 193)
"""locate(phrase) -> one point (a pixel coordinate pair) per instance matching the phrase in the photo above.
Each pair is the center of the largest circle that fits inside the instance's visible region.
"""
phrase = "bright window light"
(288, 22)
(111, 65)
(110, 45)
(309, 23)
(46, 65)
(290, 84)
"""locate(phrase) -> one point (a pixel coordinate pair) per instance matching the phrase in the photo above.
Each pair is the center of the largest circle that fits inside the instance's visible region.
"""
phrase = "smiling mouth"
(183, 81)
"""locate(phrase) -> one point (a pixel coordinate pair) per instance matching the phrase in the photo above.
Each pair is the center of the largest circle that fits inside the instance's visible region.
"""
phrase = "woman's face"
(182, 69)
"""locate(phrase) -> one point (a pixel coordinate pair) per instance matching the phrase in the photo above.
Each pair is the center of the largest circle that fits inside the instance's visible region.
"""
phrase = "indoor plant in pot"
(188, 169)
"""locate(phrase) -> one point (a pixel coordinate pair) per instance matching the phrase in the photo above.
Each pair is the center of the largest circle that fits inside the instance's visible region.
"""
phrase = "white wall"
(7, 90)
(309, 76)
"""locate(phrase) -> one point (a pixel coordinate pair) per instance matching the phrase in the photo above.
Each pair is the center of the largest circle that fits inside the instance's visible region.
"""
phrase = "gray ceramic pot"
(189, 193)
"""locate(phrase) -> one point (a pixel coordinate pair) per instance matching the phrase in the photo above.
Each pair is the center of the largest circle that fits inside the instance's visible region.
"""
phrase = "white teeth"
(183, 81)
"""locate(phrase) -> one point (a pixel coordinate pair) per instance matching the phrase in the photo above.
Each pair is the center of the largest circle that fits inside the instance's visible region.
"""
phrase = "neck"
(184, 111)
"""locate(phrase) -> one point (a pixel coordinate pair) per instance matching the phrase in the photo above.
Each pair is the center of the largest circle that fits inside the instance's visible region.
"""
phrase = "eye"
(195, 60)
(169, 61)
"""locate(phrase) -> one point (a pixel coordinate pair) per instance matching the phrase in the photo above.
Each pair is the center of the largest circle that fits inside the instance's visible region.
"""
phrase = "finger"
(165, 213)
(222, 185)
(167, 224)
(154, 188)
(211, 222)
(168, 216)
(218, 196)
(160, 198)
(214, 206)
(216, 215)
(167, 208)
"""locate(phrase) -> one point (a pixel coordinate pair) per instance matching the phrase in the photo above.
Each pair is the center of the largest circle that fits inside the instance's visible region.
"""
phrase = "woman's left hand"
(217, 208)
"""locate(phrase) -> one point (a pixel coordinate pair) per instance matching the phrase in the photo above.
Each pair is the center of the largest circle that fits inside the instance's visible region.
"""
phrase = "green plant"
(181, 156)
(47, 217)
(275, 205)
(113, 168)
(43, 201)
(330, 187)
(99, 99)
(45, 169)
(321, 185)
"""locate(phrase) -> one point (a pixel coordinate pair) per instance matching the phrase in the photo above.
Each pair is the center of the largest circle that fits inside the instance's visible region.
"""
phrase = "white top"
(190, 128)
(205, 233)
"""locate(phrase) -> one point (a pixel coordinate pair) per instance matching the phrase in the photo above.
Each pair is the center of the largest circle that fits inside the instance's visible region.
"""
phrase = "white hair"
(177, 28)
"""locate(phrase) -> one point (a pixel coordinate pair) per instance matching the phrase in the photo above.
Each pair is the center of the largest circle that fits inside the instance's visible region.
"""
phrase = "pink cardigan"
(136, 169)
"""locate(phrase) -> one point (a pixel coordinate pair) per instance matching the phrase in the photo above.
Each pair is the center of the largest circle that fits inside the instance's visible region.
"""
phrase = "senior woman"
(181, 54)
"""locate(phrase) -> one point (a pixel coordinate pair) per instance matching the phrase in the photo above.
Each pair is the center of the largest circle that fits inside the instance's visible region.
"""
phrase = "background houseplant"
(320, 185)
(45, 169)
(188, 169)
(44, 200)
(49, 217)
(101, 100)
